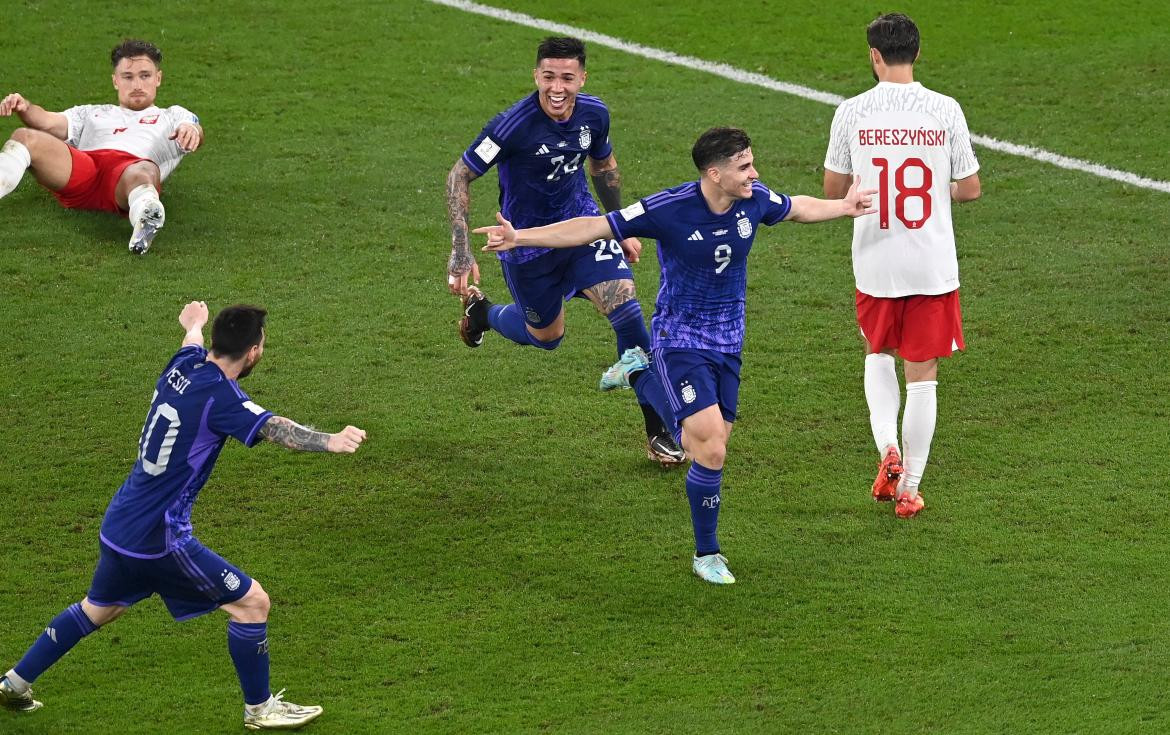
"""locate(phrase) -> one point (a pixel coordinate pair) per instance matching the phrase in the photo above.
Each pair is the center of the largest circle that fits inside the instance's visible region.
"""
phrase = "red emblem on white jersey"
(148, 120)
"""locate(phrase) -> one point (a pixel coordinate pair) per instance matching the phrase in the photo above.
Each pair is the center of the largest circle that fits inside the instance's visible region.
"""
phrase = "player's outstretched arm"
(857, 202)
(461, 265)
(35, 116)
(567, 234)
(192, 318)
(290, 434)
(966, 190)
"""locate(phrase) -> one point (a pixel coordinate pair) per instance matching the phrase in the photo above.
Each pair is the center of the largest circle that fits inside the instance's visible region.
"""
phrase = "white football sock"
(19, 685)
(884, 397)
(138, 197)
(14, 159)
(917, 431)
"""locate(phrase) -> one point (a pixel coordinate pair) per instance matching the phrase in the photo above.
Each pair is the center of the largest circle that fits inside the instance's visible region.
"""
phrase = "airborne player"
(107, 157)
(541, 146)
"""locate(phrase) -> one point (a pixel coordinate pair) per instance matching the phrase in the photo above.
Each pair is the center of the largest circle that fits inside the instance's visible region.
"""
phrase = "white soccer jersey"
(909, 143)
(143, 133)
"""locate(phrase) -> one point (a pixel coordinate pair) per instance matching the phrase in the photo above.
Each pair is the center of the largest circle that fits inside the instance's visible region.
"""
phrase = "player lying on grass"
(704, 230)
(146, 543)
(106, 157)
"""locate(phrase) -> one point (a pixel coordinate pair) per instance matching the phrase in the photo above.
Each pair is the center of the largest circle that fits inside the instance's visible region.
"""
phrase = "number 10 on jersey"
(905, 192)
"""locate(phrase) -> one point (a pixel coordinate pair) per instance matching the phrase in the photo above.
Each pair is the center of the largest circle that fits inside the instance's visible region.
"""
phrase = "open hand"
(13, 103)
(499, 237)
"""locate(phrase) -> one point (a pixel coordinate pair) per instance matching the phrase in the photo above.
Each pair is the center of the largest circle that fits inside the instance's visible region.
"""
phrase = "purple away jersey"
(194, 410)
(540, 163)
(703, 256)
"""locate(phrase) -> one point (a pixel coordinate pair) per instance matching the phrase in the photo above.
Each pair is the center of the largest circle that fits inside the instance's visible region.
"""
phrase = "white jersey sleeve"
(908, 143)
(837, 157)
(963, 161)
(76, 118)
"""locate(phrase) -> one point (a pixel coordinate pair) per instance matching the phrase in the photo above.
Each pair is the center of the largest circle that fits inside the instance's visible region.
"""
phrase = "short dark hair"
(236, 330)
(718, 145)
(895, 37)
(561, 47)
(131, 47)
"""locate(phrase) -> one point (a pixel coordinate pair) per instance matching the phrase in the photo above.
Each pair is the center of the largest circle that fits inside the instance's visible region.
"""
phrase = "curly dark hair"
(131, 47)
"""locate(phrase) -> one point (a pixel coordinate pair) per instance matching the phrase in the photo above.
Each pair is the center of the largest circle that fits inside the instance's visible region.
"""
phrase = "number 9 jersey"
(909, 143)
(194, 410)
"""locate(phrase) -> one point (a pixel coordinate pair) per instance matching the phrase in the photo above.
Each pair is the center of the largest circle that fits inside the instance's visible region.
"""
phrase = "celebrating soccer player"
(704, 230)
(540, 144)
(107, 157)
(146, 541)
(913, 145)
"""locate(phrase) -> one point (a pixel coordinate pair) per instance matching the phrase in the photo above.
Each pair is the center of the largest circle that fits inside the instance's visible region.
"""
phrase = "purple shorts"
(539, 285)
(192, 580)
(695, 379)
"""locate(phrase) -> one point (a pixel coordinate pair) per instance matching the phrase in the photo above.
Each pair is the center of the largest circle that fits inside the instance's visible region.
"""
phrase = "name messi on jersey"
(901, 136)
(176, 380)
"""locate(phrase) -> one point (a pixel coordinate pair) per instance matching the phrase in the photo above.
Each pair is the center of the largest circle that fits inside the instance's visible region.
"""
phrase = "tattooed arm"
(462, 263)
(607, 182)
(288, 433)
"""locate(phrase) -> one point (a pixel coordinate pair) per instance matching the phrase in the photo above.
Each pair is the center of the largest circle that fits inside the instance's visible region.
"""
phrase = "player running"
(107, 157)
(541, 145)
(911, 144)
(146, 542)
(704, 230)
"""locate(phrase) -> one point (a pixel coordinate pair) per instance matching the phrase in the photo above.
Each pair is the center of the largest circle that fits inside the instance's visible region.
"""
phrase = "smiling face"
(137, 80)
(557, 84)
(735, 176)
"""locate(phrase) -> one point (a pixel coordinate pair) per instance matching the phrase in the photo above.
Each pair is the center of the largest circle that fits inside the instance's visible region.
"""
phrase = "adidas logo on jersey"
(541, 150)
(696, 235)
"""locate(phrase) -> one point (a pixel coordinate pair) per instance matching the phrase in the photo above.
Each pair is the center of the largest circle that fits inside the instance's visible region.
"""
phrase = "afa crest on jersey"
(586, 138)
(231, 581)
(744, 227)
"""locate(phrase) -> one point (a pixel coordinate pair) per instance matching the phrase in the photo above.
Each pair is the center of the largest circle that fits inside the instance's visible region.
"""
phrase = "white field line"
(759, 80)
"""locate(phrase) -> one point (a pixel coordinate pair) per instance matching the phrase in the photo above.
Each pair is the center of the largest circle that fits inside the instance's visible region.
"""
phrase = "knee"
(548, 338)
(143, 172)
(547, 344)
(27, 137)
(100, 615)
(257, 602)
(709, 452)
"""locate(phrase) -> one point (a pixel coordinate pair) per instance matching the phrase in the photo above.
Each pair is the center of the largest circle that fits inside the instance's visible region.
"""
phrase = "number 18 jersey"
(194, 410)
(909, 143)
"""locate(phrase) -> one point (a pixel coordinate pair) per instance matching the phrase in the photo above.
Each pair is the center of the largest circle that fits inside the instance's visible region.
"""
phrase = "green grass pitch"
(500, 557)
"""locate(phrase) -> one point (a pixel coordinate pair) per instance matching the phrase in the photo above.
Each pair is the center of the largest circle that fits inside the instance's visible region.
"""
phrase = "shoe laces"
(276, 705)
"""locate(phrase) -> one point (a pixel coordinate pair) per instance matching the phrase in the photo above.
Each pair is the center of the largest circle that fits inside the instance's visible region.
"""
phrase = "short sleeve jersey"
(909, 143)
(540, 163)
(194, 410)
(142, 133)
(703, 259)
